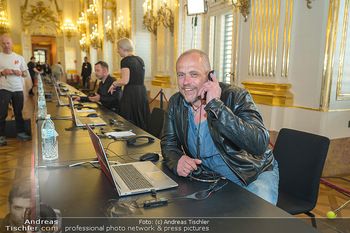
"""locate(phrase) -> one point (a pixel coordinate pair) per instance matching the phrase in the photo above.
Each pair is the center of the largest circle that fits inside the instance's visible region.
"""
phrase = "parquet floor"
(15, 166)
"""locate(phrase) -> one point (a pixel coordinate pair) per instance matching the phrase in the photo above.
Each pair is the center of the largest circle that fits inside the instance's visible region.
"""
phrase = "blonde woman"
(134, 105)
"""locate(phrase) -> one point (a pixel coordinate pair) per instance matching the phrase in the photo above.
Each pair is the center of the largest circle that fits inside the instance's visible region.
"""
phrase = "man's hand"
(17, 72)
(7, 72)
(75, 97)
(212, 88)
(186, 165)
(95, 98)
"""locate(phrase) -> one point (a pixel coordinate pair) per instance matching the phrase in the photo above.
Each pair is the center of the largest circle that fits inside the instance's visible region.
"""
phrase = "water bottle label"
(48, 133)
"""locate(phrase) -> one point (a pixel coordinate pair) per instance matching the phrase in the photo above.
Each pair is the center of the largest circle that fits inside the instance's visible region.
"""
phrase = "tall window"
(40, 55)
(227, 51)
(221, 45)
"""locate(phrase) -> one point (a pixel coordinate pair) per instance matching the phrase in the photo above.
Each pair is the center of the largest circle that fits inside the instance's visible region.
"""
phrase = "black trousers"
(17, 102)
(86, 80)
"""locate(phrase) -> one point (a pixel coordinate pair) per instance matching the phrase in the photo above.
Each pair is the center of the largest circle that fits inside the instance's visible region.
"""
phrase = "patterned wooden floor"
(15, 165)
(15, 159)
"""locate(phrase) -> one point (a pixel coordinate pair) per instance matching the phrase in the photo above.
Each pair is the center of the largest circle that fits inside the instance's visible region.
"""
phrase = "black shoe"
(24, 136)
(3, 141)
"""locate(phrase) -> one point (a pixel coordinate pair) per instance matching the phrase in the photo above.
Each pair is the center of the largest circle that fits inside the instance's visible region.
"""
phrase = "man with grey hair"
(216, 127)
(13, 70)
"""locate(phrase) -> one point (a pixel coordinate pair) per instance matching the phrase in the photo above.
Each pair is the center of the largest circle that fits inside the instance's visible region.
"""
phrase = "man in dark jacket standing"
(216, 126)
(46, 68)
(33, 71)
(86, 72)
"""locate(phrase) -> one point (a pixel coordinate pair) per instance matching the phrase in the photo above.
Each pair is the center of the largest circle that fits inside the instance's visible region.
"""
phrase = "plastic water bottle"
(39, 80)
(42, 111)
(40, 90)
(49, 141)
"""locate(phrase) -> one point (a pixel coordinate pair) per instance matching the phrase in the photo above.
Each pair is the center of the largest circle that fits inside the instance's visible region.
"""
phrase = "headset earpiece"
(197, 172)
(204, 175)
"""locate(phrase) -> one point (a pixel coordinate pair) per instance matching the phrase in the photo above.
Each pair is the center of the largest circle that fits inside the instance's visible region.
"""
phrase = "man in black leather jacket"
(217, 125)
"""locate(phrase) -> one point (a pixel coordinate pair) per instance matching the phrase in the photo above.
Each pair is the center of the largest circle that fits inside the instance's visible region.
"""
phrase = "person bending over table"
(134, 105)
(109, 100)
(223, 131)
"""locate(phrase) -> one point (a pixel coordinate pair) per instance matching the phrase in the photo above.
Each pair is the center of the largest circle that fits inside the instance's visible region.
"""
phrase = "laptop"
(131, 178)
(82, 121)
(64, 90)
(61, 102)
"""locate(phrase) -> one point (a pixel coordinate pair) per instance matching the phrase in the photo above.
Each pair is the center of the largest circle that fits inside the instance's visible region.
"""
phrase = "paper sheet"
(120, 134)
(85, 110)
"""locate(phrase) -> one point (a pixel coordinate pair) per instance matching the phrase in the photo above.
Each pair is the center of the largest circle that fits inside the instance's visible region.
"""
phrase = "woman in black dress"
(134, 105)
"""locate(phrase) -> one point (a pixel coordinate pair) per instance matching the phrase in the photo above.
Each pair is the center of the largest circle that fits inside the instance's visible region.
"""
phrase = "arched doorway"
(44, 47)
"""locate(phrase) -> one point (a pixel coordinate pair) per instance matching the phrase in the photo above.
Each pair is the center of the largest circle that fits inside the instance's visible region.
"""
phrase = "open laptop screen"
(101, 155)
(71, 107)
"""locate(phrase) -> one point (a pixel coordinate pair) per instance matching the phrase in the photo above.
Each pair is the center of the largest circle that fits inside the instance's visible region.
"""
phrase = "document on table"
(85, 110)
(120, 134)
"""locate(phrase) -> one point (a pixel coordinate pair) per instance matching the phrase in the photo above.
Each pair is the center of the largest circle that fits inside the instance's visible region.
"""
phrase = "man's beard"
(190, 100)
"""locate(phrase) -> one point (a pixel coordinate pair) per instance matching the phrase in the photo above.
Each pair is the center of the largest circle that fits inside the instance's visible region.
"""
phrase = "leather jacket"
(235, 126)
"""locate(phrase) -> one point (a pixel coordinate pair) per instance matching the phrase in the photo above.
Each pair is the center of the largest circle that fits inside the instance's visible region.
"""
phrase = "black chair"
(155, 122)
(88, 91)
(301, 157)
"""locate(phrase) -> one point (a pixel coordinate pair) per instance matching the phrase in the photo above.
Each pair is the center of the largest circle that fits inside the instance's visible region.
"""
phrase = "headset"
(204, 174)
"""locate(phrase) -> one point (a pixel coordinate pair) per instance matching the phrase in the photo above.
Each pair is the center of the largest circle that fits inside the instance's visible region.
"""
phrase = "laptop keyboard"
(85, 121)
(132, 177)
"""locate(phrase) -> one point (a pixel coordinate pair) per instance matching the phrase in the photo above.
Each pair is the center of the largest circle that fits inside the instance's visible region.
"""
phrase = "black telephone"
(209, 79)
(133, 139)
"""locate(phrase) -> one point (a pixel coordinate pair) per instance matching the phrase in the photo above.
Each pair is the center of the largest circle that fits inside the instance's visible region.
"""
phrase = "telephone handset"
(211, 72)
(209, 79)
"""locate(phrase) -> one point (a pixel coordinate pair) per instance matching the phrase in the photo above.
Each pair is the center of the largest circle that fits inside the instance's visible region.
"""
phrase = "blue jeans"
(266, 185)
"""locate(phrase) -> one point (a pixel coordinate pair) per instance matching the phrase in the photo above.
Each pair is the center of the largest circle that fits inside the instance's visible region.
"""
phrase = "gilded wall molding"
(264, 31)
(286, 39)
(3, 5)
(328, 61)
(163, 81)
(41, 13)
(273, 94)
(341, 78)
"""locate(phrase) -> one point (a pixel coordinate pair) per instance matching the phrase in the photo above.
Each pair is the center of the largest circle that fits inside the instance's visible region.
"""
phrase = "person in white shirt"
(57, 70)
(13, 69)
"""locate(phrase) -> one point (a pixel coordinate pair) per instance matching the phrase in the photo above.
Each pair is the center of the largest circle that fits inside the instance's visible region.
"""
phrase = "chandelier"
(243, 6)
(82, 23)
(84, 45)
(92, 13)
(121, 29)
(4, 23)
(109, 30)
(69, 29)
(164, 16)
(95, 38)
